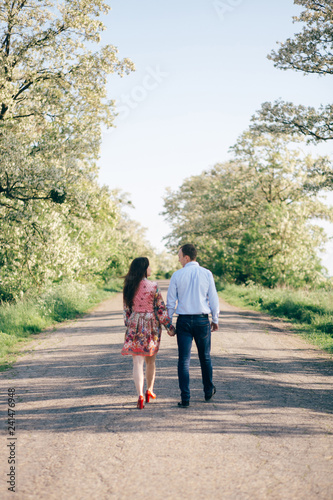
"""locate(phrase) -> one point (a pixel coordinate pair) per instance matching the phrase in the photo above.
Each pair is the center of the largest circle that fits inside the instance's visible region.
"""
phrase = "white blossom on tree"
(310, 51)
(52, 96)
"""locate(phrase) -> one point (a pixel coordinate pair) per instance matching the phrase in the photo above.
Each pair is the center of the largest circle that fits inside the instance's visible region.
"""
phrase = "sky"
(201, 73)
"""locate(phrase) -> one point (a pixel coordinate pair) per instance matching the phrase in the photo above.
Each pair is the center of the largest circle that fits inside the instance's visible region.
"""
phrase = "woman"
(144, 312)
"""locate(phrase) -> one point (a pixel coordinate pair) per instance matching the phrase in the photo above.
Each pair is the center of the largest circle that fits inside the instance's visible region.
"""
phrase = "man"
(194, 289)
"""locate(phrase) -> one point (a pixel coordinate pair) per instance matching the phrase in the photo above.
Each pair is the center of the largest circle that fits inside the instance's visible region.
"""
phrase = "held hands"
(171, 331)
(214, 326)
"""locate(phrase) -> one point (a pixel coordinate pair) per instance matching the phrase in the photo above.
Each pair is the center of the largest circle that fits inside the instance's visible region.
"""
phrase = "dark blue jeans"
(195, 327)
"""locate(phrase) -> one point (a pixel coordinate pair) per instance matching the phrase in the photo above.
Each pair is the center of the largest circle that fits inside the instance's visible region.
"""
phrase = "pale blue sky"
(201, 72)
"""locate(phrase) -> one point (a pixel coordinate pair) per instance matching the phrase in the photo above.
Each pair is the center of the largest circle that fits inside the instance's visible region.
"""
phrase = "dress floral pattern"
(143, 321)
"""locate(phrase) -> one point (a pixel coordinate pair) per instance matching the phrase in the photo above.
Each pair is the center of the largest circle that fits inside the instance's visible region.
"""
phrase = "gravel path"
(267, 434)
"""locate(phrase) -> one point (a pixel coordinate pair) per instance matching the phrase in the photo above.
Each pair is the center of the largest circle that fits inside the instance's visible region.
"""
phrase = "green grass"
(114, 285)
(18, 321)
(310, 311)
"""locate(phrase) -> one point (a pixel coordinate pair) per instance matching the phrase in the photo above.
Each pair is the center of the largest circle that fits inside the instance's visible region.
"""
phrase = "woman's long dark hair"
(136, 273)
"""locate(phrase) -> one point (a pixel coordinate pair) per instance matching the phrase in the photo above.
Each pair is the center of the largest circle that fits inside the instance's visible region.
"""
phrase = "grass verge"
(310, 311)
(57, 303)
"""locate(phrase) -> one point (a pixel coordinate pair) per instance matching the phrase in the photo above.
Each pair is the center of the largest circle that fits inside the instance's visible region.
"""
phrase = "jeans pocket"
(183, 326)
(202, 327)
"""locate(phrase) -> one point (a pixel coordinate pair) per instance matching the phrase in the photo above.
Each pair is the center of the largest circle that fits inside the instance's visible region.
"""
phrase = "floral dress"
(143, 321)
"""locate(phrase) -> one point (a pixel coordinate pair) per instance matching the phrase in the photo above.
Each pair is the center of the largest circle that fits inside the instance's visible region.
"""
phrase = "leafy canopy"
(311, 52)
(52, 98)
(56, 221)
(251, 218)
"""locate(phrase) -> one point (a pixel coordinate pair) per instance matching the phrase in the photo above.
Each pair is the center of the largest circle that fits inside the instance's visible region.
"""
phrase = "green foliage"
(54, 244)
(311, 311)
(56, 303)
(163, 265)
(57, 223)
(32, 315)
(52, 99)
(114, 285)
(130, 243)
(252, 218)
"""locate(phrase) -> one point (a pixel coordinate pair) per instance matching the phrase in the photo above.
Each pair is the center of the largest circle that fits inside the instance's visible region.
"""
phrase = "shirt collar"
(192, 263)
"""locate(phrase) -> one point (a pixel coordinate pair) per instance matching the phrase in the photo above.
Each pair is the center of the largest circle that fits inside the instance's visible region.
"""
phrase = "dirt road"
(268, 434)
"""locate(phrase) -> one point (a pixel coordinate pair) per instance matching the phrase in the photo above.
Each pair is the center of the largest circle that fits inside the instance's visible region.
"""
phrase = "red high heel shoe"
(140, 404)
(151, 395)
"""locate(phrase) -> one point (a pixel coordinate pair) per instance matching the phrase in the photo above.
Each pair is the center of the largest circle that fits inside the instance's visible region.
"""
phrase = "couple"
(193, 289)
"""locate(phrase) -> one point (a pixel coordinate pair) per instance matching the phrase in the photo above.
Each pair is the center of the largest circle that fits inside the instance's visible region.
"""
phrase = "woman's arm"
(126, 313)
(162, 313)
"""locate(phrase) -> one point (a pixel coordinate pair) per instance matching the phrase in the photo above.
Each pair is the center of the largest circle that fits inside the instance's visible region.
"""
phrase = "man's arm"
(213, 302)
(172, 297)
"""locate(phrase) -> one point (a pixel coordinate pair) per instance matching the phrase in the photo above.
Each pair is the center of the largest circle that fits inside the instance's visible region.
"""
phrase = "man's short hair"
(189, 250)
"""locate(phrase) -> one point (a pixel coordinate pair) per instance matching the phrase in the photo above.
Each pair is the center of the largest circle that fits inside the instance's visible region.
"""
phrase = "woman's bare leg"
(138, 374)
(150, 372)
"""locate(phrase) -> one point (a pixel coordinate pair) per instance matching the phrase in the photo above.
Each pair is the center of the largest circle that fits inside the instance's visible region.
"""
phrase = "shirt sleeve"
(161, 311)
(172, 297)
(213, 299)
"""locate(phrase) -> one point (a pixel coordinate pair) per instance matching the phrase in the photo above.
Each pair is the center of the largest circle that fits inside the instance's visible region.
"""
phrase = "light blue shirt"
(194, 289)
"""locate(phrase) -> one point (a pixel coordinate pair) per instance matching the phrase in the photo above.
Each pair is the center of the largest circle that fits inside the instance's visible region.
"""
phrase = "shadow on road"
(89, 388)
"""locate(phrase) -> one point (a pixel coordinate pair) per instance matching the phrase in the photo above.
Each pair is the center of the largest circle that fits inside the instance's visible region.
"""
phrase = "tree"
(56, 222)
(52, 98)
(310, 52)
(52, 243)
(252, 218)
(285, 118)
